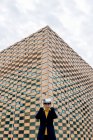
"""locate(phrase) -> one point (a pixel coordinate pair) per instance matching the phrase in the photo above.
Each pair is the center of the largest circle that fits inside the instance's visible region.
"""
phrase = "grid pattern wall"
(44, 63)
(21, 77)
(72, 86)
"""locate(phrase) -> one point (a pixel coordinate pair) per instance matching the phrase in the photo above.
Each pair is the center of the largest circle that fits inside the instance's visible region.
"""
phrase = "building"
(38, 66)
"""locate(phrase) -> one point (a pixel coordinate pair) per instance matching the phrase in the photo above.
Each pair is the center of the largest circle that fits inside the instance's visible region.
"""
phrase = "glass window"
(21, 118)
(26, 135)
(21, 131)
(7, 122)
(26, 128)
(15, 135)
(32, 131)
(21, 124)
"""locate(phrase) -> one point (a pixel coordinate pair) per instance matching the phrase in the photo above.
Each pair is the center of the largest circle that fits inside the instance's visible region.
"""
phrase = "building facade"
(38, 66)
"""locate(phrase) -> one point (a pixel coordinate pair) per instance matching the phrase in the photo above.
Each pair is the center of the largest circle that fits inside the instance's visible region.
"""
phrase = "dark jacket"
(46, 122)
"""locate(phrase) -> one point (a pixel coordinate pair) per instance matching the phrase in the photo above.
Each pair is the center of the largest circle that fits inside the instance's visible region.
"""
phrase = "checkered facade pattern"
(38, 66)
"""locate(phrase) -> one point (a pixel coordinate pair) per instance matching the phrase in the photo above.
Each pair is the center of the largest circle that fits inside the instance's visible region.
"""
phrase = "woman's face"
(47, 105)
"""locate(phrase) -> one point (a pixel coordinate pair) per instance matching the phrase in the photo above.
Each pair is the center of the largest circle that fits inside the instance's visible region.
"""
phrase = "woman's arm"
(54, 116)
(38, 114)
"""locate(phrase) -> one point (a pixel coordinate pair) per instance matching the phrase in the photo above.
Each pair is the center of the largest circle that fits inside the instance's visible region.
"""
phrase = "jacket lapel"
(48, 113)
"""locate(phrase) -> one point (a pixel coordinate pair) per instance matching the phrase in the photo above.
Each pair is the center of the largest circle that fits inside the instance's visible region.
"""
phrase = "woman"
(46, 114)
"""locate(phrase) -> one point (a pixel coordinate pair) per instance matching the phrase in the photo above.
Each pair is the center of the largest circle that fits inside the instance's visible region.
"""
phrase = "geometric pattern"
(38, 66)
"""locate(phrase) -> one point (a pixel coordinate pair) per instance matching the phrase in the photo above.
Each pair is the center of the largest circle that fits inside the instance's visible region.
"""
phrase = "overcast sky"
(72, 20)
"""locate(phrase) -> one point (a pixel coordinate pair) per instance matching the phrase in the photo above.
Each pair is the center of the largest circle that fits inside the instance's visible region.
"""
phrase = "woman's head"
(47, 103)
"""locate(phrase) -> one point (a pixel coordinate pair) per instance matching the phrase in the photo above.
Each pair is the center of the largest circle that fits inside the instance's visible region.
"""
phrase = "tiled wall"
(38, 66)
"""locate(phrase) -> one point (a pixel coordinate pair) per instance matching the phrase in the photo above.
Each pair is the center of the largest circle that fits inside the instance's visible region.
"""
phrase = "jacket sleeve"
(38, 114)
(54, 116)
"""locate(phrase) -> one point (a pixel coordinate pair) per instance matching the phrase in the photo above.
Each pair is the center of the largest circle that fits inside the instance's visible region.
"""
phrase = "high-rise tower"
(38, 66)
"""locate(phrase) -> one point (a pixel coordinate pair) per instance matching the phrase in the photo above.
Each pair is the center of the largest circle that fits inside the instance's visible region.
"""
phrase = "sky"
(72, 20)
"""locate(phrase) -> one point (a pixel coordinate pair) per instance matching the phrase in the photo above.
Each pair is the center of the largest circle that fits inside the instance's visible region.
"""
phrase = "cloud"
(72, 20)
